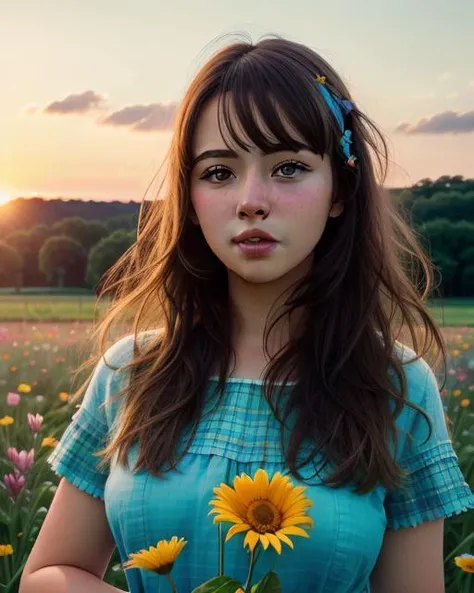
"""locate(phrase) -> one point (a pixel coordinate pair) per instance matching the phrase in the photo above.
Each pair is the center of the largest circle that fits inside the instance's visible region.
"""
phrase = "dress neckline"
(246, 380)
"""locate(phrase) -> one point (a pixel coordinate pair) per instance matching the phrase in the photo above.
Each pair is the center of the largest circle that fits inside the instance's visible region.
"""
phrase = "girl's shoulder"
(419, 375)
(111, 374)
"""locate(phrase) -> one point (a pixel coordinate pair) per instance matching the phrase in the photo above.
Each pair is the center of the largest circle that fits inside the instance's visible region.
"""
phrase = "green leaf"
(218, 585)
(4, 518)
(269, 584)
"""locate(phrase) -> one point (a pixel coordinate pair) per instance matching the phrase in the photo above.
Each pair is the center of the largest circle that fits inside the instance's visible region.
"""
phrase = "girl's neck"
(254, 306)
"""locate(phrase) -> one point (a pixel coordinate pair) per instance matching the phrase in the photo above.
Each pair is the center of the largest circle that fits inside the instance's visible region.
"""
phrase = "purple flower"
(22, 460)
(13, 399)
(35, 422)
(14, 484)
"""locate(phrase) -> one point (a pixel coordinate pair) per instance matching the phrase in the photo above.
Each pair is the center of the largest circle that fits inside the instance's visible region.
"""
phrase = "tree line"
(76, 251)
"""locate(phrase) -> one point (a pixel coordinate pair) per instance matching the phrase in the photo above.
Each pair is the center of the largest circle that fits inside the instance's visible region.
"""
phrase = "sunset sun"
(4, 197)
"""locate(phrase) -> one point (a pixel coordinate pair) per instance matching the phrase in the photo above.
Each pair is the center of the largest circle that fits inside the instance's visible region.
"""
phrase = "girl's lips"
(257, 249)
(252, 234)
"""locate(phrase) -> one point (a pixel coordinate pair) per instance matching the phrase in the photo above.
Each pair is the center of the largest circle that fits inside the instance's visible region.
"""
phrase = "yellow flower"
(13, 369)
(159, 558)
(6, 356)
(6, 550)
(456, 353)
(465, 403)
(457, 392)
(6, 420)
(49, 442)
(63, 396)
(466, 346)
(24, 388)
(268, 511)
(465, 561)
(321, 79)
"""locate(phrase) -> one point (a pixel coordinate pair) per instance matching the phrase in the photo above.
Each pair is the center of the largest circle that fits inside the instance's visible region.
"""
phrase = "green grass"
(47, 307)
(454, 312)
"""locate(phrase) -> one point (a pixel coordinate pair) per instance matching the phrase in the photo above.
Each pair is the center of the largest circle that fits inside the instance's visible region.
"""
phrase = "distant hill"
(25, 213)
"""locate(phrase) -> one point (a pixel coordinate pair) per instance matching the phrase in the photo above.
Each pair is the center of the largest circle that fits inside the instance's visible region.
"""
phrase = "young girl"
(272, 294)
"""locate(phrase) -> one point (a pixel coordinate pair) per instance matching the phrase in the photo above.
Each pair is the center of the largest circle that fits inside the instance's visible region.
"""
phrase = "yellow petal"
(261, 483)
(293, 530)
(251, 539)
(264, 540)
(228, 517)
(285, 539)
(302, 519)
(277, 481)
(230, 496)
(276, 543)
(236, 529)
(223, 507)
(245, 489)
(298, 508)
(281, 492)
(293, 496)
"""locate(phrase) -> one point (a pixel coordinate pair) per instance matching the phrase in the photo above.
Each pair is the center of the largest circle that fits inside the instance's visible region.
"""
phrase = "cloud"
(447, 122)
(453, 95)
(143, 118)
(79, 103)
(471, 85)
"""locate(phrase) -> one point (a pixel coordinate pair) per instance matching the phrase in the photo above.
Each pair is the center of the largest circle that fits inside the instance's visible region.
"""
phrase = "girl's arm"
(411, 560)
(73, 547)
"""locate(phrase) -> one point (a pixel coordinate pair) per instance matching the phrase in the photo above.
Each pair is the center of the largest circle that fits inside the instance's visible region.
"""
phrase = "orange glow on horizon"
(5, 197)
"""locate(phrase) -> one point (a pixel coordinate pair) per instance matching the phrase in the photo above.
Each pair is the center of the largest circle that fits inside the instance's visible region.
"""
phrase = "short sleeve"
(89, 429)
(435, 486)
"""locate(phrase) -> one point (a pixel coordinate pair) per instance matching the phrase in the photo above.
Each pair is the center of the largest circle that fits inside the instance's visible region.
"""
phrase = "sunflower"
(159, 558)
(267, 511)
(466, 562)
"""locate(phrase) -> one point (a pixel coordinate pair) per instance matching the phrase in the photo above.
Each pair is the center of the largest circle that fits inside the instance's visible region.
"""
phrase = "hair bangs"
(257, 107)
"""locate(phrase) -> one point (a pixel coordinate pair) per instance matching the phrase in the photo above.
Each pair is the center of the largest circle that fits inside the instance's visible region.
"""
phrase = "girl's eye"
(221, 174)
(217, 172)
(290, 167)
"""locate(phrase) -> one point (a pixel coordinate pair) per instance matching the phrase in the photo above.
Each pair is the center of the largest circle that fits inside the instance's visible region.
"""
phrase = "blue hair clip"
(339, 108)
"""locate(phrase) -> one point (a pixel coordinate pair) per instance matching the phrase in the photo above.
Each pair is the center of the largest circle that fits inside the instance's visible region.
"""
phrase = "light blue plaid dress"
(241, 435)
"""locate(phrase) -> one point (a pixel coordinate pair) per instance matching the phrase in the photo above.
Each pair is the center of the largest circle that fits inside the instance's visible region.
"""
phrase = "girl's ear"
(336, 210)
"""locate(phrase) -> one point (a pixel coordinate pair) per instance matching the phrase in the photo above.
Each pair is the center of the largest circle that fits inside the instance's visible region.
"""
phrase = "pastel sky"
(88, 88)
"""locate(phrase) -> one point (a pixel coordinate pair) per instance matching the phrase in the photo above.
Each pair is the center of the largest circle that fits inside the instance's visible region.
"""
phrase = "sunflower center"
(264, 516)
(165, 568)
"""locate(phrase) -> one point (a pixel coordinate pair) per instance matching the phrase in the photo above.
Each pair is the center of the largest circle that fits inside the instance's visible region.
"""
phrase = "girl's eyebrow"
(225, 153)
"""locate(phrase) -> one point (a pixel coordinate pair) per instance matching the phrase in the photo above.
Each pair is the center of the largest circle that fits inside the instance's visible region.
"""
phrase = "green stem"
(458, 548)
(468, 584)
(173, 586)
(8, 588)
(221, 550)
(8, 574)
(253, 560)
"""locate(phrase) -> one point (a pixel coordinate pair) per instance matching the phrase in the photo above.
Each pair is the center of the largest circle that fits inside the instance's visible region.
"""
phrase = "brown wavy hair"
(366, 290)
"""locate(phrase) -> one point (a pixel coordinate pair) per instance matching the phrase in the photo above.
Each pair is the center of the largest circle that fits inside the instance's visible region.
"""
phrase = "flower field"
(36, 363)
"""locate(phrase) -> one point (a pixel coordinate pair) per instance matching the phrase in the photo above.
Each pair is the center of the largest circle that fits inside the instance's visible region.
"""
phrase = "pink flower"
(13, 399)
(35, 422)
(22, 460)
(462, 377)
(14, 484)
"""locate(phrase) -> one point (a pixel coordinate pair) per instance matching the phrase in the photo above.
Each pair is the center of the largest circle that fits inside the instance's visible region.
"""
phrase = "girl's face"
(285, 194)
